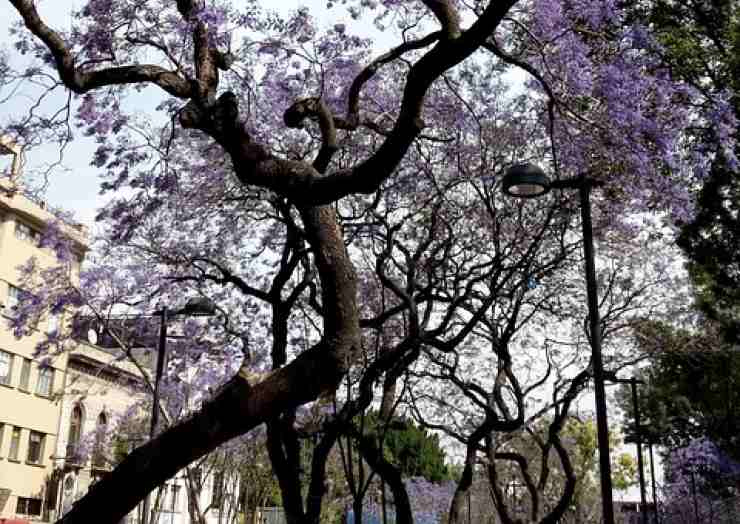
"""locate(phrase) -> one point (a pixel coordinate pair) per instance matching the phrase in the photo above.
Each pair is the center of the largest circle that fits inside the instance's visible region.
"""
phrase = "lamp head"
(199, 307)
(525, 181)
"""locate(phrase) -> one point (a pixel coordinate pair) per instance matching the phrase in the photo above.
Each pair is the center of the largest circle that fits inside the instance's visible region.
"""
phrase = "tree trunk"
(466, 480)
(234, 411)
(239, 406)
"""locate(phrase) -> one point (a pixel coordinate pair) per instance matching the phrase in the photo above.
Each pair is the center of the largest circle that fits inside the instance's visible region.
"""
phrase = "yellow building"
(29, 410)
(48, 409)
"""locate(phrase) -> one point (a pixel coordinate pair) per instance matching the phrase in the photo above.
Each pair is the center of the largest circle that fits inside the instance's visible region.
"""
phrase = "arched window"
(75, 432)
(100, 430)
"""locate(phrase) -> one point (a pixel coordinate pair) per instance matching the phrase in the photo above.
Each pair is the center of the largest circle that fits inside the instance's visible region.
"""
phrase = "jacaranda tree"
(280, 159)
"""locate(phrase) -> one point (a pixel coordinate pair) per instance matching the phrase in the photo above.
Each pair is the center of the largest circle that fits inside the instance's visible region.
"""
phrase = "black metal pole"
(652, 478)
(161, 358)
(638, 442)
(469, 505)
(693, 491)
(602, 428)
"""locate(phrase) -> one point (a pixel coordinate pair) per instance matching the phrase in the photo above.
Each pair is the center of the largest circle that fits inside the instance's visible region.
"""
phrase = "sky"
(76, 187)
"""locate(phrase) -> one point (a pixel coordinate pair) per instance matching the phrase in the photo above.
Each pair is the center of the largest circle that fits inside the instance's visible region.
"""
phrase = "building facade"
(29, 387)
(96, 390)
(53, 411)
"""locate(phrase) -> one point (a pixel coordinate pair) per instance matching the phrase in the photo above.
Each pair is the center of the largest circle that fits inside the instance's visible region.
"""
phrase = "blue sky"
(76, 188)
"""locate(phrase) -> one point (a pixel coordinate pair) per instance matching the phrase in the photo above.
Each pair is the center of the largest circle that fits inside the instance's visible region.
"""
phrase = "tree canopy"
(341, 204)
(691, 388)
(416, 452)
(701, 43)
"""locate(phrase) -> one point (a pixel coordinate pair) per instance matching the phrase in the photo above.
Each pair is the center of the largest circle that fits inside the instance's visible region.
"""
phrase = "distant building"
(95, 390)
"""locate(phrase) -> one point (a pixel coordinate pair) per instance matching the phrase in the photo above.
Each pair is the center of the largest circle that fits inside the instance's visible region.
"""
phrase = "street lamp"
(529, 181)
(612, 377)
(651, 439)
(195, 307)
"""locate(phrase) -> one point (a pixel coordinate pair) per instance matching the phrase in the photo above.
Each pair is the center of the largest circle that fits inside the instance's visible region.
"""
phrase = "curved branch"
(315, 108)
(353, 106)
(83, 81)
(447, 16)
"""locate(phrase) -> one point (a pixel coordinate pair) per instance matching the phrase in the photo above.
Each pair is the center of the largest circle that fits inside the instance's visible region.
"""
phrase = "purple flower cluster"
(430, 501)
(699, 476)
(619, 113)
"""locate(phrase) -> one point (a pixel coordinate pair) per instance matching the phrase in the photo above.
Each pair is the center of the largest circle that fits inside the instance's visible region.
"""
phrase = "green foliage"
(416, 452)
(711, 242)
(583, 436)
(583, 450)
(121, 448)
(692, 388)
(624, 471)
(701, 43)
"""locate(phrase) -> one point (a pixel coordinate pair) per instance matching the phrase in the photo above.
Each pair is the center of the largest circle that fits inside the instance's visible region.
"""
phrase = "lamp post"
(195, 307)
(692, 470)
(529, 181)
(612, 377)
(652, 479)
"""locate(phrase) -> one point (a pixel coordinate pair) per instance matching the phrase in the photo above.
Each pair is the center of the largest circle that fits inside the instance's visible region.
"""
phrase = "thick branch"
(446, 15)
(353, 106)
(315, 108)
(390, 474)
(304, 185)
(236, 409)
(83, 81)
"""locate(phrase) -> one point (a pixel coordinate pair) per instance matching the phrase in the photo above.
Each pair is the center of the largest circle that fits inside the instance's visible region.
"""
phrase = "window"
(28, 506)
(52, 323)
(15, 297)
(45, 382)
(6, 367)
(27, 233)
(217, 494)
(36, 447)
(174, 495)
(15, 442)
(75, 431)
(25, 374)
(100, 430)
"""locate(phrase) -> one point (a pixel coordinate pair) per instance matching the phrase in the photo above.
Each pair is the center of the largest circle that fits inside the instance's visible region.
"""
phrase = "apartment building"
(29, 411)
(49, 410)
